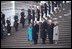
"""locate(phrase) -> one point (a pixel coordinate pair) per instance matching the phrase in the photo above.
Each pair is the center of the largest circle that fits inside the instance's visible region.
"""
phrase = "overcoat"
(29, 32)
(55, 33)
(35, 31)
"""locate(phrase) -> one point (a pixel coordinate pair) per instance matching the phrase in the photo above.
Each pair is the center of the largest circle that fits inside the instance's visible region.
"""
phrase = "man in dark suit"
(29, 16)
(50, 31)
(8, 26)
(42, 10)
(35, 32)
(38, 14)
(16, 22)
(53, 4)
(2, 24)
(58, 3)
(43, 32)
(45, 9)
(3, 18)
(22, 20)
(33, 14)
(49, 6)
(1, 30)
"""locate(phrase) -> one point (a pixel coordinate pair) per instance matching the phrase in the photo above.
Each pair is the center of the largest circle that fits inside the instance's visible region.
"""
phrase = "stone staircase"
(19, 39)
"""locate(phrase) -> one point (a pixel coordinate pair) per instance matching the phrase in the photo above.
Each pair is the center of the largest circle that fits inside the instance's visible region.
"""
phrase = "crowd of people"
(48, 26)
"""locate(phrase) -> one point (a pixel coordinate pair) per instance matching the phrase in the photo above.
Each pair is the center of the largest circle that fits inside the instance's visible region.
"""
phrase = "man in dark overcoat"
(22, 19)
(45, 9)
(8, 26)
(33, 14)
(35, 32)
(42, 10)
(43, 31)
(3, 18)
(29, 16)
(38, 14)
(53, 5)
(16, 22)
(49, 6)
(50, 32)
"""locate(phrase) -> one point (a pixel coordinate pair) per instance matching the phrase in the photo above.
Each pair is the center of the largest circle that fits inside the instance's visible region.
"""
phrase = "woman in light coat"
(55, 32)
